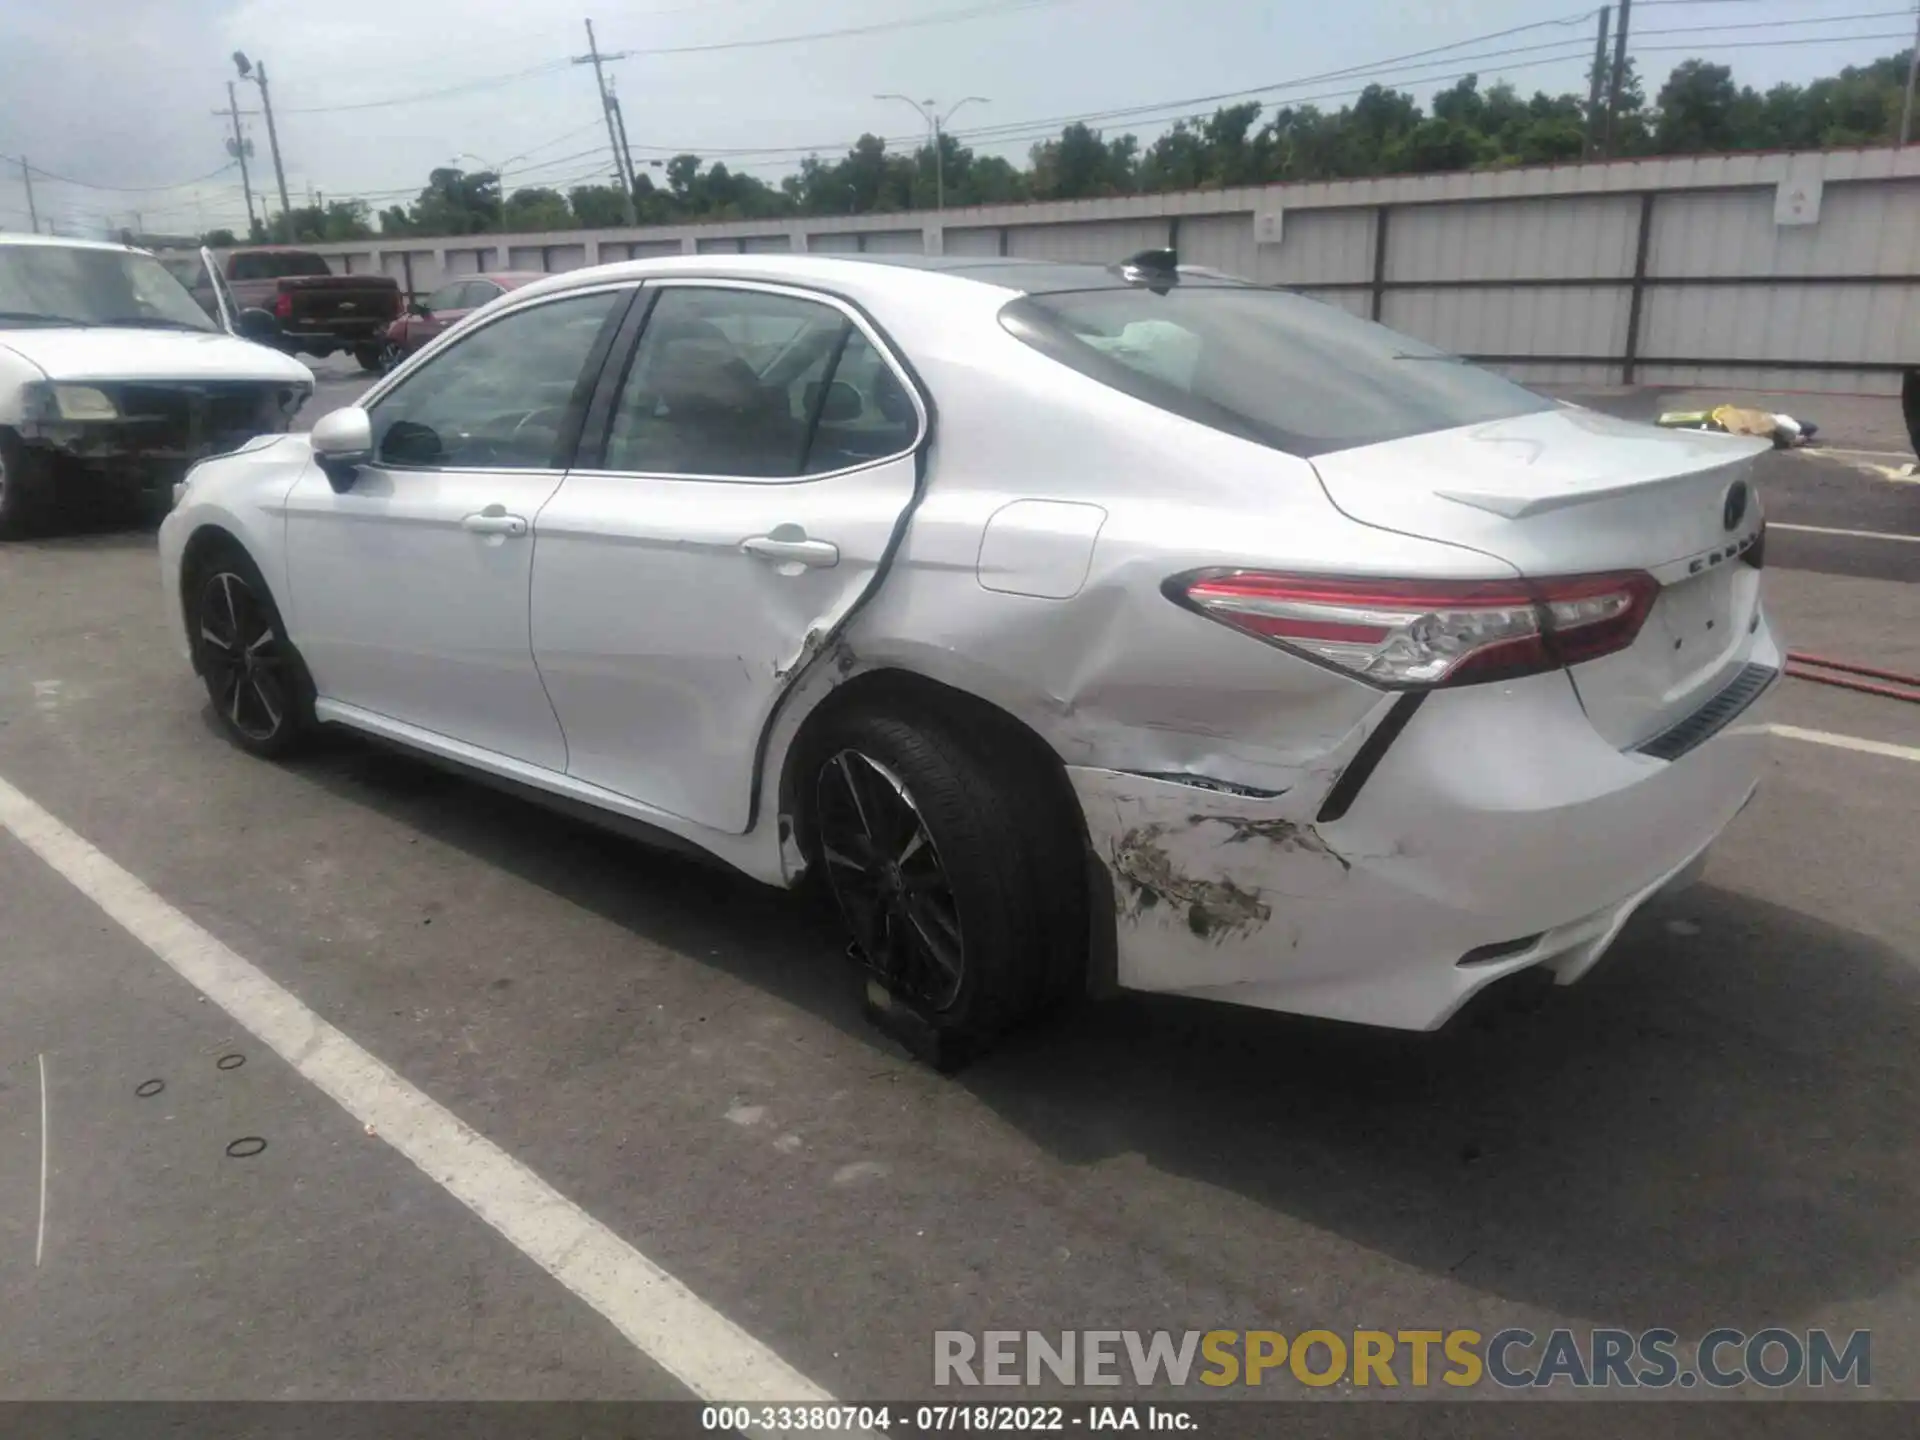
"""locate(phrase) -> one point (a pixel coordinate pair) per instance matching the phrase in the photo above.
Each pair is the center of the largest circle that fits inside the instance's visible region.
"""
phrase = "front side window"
(497, 399)
(748, 384)
(1296, 374)
(447, 297)
(478, 293)
(80, 285)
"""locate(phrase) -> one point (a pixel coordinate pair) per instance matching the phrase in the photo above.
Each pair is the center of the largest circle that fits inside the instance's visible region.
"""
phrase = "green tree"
(538, 209)
(598, 207)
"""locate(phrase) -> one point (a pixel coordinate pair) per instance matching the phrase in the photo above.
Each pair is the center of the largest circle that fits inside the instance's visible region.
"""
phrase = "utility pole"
(626, 150)
(238, 148)
(1619, 78)
(1913, 70)
(936, 127)
(593, 57)
(258, 74)
(1597, 83)
(26, 179)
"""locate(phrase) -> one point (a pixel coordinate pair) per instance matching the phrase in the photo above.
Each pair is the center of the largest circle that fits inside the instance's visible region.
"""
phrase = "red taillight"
(1422, 633)
(283, 305)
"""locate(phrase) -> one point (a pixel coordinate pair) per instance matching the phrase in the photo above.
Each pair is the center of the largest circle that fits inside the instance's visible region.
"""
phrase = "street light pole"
(936, 127)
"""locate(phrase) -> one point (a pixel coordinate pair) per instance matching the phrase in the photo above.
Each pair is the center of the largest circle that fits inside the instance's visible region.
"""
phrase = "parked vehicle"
(446, 307)
(113, 382)
(1078, 625)
(318, 312)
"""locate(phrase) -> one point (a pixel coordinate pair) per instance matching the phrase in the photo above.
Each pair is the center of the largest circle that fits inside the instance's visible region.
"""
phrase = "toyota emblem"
(1735, 508)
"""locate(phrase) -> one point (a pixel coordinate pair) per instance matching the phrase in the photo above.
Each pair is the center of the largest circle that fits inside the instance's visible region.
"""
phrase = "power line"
(877, 27)
(120, 189)
(470, 87)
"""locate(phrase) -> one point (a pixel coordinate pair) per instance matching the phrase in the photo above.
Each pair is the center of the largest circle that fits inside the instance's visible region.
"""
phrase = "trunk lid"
(1570, 492)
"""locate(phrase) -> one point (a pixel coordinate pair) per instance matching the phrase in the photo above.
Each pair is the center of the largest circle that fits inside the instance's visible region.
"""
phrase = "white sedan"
(1081, 625)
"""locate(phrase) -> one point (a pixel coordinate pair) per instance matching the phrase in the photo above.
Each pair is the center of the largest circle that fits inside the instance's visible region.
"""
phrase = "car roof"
(896, 274)
(67, 242)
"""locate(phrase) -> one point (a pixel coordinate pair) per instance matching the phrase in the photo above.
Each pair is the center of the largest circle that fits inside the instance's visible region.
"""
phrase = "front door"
(409, 590)
(750, 477)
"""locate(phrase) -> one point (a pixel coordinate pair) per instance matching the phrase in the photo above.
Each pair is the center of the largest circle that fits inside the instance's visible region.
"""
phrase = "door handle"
(788, 545)
(494, 520)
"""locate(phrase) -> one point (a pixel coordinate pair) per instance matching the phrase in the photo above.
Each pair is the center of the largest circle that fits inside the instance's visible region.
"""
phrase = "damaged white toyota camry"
(1078, 626)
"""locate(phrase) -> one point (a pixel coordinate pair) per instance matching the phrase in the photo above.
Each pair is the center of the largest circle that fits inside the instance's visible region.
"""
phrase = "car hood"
(111, 353)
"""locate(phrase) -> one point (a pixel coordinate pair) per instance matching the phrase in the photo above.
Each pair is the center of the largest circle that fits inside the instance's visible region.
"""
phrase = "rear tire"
(953, 882)
(257, 682)
(371, 358)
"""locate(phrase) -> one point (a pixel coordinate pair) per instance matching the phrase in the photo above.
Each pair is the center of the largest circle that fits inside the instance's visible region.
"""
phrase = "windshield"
(69, 284)
(1277, 368)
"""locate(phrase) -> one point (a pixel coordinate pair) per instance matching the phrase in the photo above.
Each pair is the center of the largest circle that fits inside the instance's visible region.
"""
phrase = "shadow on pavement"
(1713, 1128)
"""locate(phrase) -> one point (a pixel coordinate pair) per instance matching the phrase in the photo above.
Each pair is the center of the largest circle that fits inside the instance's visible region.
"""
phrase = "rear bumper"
(1499, 832)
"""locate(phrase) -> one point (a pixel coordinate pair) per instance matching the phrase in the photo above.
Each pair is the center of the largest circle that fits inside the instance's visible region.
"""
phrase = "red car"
(445, 308)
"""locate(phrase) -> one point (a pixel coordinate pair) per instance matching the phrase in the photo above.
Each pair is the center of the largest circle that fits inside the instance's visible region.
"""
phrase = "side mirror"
(257, 325)
(342, 442)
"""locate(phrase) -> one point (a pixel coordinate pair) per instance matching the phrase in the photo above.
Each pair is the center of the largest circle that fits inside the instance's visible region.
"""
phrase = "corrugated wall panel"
(716, 245)
(1863, 230)
(768, 244)
(972, 242)
(1569, 320)
(1870, 323)
(612, 250)
(470, 261)
(1582, 235)
(425, 266)
(1224, 242)
(526, 257)
(1103, 242)
(833, 244)
(1317, 246)
(896, 242)
(1355, 302)
(566, 257)
(1755, 381)
(352, 262)
(1538, 373)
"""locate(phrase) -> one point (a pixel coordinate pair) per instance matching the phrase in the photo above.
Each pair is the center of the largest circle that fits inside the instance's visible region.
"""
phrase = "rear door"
(1566, 491)
(741, 481)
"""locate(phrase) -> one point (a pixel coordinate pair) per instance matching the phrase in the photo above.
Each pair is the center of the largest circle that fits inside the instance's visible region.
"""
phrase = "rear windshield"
(1273, 367)
(271, 265)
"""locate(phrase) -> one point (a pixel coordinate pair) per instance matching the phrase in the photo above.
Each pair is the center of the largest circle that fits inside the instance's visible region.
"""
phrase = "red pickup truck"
(317, 311)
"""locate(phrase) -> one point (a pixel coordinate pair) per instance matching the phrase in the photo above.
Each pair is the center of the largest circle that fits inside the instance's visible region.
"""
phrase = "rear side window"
(1295, 374)
(747, 384)
(271, 265)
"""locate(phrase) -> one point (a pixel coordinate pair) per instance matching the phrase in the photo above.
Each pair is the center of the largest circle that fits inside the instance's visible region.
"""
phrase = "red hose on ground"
(1798, 662)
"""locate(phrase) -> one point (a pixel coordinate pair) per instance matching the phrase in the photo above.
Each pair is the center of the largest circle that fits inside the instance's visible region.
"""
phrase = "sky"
(122, 105)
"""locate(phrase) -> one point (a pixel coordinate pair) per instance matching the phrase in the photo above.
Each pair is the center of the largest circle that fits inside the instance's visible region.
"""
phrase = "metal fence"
(1758, 271)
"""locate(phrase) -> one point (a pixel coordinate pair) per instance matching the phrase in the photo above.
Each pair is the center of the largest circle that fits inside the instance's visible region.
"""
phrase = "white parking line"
(1846, 742)
(664, 1320)
(1851, 534)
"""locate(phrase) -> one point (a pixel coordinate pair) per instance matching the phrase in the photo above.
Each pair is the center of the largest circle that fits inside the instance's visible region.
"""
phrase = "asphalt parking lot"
(1720, 1126)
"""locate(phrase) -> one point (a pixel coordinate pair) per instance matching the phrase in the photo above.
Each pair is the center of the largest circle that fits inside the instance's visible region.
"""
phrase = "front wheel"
(255, 679)
(372, 358)
(946, 877)
(391, 354)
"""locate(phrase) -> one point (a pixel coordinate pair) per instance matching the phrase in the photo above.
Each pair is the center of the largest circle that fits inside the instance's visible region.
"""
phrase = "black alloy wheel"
(391, 354)
(252, 674)
(885, 873)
